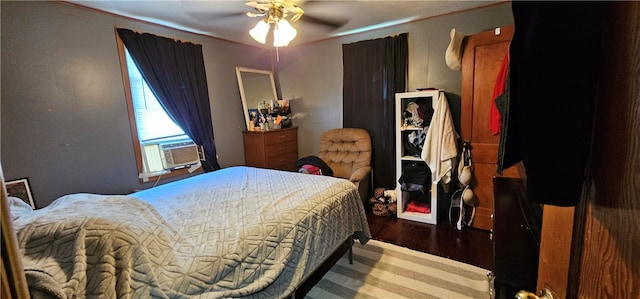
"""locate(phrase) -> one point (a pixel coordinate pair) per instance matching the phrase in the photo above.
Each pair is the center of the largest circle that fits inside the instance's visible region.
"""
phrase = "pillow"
(18, 207)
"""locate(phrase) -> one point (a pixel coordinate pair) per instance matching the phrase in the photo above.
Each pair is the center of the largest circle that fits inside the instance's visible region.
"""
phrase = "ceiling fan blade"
(258, 5)
(335, 24)
(203, 16)
(254, 14)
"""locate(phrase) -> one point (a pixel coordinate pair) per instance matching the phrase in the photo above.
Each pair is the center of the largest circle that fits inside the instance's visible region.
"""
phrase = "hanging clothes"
(440, 149)
(499, 88)
(553, 79)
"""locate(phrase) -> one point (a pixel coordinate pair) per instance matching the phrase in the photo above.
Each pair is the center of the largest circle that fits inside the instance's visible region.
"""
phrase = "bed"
(240, 232)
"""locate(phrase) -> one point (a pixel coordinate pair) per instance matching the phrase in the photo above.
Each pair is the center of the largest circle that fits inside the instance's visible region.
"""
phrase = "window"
(150, 124)
(152, 121)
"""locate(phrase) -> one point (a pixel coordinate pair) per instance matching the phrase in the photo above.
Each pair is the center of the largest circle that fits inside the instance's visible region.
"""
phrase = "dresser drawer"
(279, 149)
(280, 136)
(283, 162)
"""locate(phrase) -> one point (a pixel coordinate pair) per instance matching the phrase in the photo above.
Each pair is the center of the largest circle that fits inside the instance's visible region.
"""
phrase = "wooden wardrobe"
(481, 61)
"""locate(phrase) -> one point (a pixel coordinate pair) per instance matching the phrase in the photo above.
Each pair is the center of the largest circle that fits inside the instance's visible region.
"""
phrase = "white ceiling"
(225, 18)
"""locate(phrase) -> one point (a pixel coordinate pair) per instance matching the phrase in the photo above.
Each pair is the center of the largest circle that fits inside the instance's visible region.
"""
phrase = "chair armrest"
(360, 174)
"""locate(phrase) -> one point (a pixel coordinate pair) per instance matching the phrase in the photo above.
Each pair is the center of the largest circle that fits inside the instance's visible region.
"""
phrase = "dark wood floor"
(471, 246)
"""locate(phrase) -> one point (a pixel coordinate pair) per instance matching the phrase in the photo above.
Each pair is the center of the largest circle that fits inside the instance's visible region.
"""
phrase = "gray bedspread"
(236, 232)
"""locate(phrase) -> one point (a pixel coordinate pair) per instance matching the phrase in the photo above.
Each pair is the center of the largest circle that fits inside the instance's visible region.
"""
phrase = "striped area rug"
(383, 270)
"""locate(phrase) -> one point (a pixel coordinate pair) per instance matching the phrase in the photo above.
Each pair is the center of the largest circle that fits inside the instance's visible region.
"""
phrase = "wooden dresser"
(517, 226)
(276, 149)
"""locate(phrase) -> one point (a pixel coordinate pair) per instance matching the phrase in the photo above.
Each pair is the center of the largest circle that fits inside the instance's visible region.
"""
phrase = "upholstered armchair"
(348, 152)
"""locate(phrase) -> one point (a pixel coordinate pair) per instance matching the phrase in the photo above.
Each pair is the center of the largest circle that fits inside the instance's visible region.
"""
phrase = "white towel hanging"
(440, 150)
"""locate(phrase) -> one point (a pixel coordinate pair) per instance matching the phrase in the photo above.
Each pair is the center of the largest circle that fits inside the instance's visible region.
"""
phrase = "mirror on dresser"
(257, 91)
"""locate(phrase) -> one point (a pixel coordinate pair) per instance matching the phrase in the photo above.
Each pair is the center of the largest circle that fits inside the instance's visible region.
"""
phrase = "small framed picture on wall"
(20, 188)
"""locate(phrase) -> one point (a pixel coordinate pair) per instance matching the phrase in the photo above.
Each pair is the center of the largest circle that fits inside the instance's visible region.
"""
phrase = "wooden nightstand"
(276, 149)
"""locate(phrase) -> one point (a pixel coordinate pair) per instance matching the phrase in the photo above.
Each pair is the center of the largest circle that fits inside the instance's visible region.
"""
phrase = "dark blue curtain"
(374, 71)
(175, 72)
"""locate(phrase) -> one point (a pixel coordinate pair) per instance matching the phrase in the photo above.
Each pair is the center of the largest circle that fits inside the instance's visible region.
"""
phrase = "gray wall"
(64, 117)
(313, 73)
(64, 120)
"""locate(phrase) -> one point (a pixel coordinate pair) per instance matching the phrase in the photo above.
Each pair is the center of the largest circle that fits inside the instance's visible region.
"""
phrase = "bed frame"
(316, 276)
(14, 282)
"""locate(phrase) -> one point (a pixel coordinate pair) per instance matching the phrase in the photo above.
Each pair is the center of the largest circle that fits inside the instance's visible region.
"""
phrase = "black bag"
(317, 162)
(415, 176)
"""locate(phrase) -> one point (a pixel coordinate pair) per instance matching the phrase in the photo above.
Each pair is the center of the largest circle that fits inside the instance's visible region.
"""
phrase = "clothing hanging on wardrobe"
(495, 120)
(440, 148)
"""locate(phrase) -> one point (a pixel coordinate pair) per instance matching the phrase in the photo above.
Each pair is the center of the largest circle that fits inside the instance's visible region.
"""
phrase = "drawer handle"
(283, 160)
(282, 136)
(282, 148)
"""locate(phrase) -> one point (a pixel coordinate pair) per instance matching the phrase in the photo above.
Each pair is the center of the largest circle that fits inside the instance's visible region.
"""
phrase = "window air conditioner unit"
(178, 154)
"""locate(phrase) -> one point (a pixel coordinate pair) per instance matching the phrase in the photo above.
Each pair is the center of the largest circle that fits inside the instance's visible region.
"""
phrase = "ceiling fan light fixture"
(283, 33)
(278, 16)
(259, 32)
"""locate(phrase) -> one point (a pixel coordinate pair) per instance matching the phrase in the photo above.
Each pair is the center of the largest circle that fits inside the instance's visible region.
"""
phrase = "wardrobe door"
(481, 61)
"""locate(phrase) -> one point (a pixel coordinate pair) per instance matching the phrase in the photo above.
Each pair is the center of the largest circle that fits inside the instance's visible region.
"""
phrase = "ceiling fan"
(275, 9)
(267, 13)
(263, 7)
(278, 14)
